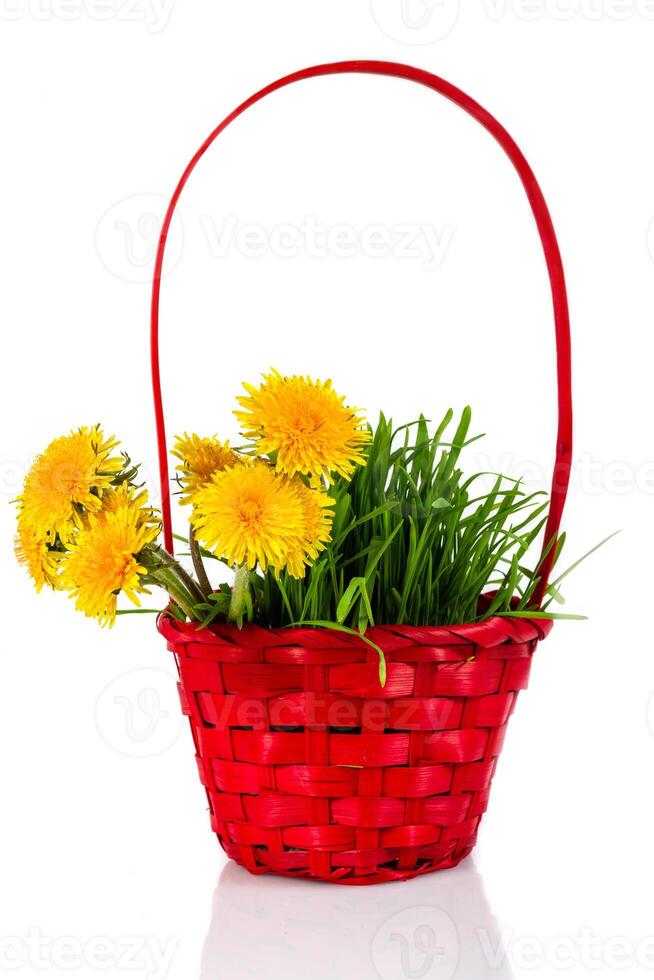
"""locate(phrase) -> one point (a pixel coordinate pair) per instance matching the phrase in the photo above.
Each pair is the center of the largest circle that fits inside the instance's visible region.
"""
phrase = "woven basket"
(311, 768)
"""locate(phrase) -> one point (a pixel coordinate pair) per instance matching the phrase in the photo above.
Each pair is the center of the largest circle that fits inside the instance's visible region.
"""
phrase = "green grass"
(415, 541)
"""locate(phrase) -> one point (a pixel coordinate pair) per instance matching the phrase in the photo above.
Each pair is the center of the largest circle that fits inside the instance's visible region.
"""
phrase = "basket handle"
(561, 475)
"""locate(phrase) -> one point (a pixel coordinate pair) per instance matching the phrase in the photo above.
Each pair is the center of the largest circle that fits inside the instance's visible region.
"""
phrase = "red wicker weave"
(311, 768)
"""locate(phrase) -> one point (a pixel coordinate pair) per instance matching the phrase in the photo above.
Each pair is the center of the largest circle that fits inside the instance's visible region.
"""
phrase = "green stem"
(181, 574)
(168, 574)
(198, 564)
(166, 579)
(239, 592)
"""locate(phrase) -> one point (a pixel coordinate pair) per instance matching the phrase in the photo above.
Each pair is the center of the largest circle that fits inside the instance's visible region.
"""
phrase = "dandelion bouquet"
(320, 519)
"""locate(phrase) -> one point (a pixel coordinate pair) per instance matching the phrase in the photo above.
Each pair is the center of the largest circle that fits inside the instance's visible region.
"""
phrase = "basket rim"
(490, 632)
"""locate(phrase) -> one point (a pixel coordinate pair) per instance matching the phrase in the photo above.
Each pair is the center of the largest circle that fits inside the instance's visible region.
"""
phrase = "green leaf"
(137, 612)
(328, 625)
(578, 562)
(537, 614)
(348, 598)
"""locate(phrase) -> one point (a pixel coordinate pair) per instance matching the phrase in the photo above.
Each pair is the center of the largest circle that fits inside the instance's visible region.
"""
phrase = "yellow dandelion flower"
(70, 474)
(247, 514)
(317, 517)
(200, 459)
(306, 424)
(130, 500)
(38, 556)
(104, 555)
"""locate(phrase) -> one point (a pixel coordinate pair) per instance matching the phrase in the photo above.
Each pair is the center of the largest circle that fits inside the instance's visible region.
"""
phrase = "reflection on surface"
(436, 927)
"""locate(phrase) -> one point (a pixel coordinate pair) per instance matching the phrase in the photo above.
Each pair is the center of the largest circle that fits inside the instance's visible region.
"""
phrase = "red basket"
(311, 768)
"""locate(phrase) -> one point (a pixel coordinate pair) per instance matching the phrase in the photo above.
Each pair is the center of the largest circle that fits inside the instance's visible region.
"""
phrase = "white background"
(107, 862)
